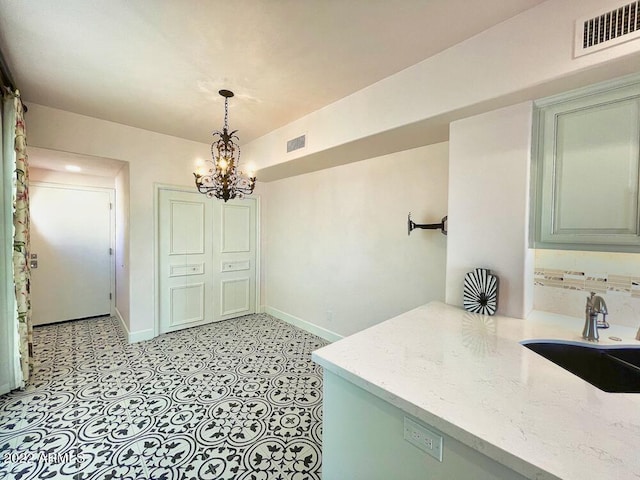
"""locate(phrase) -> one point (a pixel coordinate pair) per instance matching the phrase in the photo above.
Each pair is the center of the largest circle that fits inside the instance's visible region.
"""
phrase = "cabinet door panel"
(587, 169)
(596, 165)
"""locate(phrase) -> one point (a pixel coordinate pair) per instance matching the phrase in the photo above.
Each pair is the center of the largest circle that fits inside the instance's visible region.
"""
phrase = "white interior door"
(185, 263)
(206, 259)
(235, 257)
(71, 240)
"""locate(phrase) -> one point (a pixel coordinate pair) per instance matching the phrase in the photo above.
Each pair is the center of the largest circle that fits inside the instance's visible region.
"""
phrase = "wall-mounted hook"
(442, 226)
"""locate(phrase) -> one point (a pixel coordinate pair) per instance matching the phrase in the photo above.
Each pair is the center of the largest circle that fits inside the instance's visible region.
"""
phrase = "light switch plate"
(423, 438)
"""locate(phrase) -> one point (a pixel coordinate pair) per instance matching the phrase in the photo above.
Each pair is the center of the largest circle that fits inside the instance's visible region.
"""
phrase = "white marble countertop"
(468, 376)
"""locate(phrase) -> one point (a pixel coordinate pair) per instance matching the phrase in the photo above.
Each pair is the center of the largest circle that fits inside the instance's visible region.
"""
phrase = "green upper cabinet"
(586, 169)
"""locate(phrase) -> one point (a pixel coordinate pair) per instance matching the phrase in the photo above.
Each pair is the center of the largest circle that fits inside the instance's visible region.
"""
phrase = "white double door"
(207, 259)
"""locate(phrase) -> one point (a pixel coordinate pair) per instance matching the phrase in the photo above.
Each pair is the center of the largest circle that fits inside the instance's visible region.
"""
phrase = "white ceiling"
(158, 65)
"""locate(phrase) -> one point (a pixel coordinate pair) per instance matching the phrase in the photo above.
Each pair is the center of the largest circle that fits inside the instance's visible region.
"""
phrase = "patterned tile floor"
(239, 399)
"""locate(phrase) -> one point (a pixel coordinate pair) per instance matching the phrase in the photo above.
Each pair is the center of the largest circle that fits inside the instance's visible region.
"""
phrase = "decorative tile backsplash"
(588, 282)
(563, 280)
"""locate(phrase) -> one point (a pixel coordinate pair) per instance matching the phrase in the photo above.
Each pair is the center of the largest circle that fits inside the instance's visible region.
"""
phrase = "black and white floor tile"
(239, 399)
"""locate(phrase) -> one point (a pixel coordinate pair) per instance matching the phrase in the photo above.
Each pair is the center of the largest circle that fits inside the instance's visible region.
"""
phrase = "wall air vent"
(296, 143)
(607, 29)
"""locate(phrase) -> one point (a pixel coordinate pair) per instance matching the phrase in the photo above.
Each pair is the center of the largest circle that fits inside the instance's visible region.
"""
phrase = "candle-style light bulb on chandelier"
(222, 178)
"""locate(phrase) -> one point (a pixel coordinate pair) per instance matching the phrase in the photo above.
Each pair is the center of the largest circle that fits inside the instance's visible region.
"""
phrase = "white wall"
(152, 157)
(489, 166)
(529, 56)
(122, 246)
(335, 245)
(526, 57)
(68, 178)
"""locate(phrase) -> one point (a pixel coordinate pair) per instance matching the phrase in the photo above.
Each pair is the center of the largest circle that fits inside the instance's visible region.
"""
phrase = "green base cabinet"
(363, 439)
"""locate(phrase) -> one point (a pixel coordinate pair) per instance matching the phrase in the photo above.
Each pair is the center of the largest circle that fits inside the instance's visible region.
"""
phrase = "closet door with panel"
(206, 257)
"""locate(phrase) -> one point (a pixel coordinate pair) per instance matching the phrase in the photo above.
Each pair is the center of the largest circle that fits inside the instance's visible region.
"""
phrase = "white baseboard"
(118, 315)
(303, 324)
(134, 337)
(141, 335)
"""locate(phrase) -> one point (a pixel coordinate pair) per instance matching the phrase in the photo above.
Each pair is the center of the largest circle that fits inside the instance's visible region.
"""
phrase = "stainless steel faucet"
(595, 306)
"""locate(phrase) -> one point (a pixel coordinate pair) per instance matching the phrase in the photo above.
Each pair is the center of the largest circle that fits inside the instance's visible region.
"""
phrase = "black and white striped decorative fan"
(480, 293)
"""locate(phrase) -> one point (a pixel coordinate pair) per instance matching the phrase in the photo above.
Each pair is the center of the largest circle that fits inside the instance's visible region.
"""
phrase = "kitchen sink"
(611, 369)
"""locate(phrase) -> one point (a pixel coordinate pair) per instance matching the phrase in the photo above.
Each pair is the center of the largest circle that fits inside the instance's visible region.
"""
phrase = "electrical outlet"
(329, 316)
(423, 438)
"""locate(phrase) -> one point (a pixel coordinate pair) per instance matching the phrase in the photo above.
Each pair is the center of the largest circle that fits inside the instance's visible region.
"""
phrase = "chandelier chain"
(226, 113)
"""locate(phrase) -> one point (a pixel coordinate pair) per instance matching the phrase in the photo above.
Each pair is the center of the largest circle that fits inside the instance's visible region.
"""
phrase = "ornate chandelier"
(221, 177)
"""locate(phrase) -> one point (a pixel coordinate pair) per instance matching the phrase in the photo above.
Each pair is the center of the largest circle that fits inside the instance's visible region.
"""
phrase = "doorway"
(72, 231)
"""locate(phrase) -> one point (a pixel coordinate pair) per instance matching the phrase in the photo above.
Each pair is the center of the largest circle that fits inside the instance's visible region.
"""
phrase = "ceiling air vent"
(296, 143)
(607, 29)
